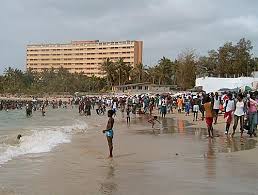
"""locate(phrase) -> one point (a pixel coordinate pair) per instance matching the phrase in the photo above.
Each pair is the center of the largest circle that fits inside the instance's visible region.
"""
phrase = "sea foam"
(40, 140)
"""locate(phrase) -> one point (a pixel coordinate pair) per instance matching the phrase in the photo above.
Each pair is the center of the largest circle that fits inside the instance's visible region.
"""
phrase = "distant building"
(140, 88)
(82, 56)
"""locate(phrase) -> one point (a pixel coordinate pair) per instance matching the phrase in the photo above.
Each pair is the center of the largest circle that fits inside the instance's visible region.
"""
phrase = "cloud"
(166, 26)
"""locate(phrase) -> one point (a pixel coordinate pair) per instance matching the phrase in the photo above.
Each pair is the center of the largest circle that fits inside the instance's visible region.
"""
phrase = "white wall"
(213, 84)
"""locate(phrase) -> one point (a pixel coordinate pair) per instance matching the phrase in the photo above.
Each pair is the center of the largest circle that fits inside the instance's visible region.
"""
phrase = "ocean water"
(39, 134)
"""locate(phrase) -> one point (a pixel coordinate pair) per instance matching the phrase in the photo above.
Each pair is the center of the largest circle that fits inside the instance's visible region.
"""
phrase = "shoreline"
(144, 162)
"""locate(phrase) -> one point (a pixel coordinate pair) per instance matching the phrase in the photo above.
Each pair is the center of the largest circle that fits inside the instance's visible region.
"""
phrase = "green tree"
(138, 73)
(186, 70)
(109, 68)
(123, 71)
(165, 71)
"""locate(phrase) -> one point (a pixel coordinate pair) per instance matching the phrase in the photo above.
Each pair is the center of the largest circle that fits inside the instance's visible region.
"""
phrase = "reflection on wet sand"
(228, 144)
(220, 144)
(181, 126)
(108, 186)
(210, 157)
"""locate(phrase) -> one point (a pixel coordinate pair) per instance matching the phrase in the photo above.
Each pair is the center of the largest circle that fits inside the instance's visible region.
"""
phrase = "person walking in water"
(109, 132)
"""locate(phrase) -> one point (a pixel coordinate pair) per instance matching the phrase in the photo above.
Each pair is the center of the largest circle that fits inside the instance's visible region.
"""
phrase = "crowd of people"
(235, 108)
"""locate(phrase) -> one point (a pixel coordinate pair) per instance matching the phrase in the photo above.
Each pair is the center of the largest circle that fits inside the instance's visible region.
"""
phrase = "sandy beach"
(175, 158)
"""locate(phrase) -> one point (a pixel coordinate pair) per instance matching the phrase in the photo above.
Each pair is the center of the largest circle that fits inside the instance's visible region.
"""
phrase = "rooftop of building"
(82, 43)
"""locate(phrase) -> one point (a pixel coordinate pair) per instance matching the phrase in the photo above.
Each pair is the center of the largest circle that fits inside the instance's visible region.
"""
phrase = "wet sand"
(175, 158)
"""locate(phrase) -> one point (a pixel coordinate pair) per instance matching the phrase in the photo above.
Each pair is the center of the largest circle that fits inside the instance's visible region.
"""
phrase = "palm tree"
(123, 71)
(138, 73)
(110, 70)
(165, 70)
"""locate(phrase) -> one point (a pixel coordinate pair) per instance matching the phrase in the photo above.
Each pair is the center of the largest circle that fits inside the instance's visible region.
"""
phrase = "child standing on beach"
(109, 132)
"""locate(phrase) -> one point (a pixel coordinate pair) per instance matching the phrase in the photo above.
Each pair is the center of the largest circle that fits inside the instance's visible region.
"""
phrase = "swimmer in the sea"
(19, 136)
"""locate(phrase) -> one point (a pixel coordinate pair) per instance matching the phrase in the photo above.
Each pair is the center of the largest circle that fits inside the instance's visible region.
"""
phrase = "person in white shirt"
(195, 109)
(229, 107)
(239, 114)
(216, 105)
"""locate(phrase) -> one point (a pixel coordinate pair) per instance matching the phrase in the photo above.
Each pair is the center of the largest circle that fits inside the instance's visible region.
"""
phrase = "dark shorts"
(216, 111)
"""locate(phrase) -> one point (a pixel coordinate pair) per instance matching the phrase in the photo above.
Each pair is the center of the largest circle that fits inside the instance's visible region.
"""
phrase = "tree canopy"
(15, 81)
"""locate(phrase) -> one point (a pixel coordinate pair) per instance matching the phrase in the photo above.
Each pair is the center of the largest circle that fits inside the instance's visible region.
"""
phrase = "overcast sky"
(166, 26)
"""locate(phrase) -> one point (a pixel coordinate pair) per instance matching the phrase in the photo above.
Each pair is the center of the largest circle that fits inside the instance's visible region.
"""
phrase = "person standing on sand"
(195, 109)
(216, 106)
(187, 107)
(43, 110)
(252, 115)
(229, 107)
(109, 132)
(239, 114)
(114, 107)
(179, 104)
(208, 115)
(163, 109)
(128, 118)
